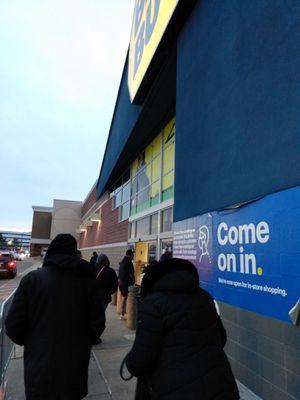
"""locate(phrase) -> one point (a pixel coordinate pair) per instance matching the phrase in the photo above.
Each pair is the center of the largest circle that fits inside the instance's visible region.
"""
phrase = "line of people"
(58, 314)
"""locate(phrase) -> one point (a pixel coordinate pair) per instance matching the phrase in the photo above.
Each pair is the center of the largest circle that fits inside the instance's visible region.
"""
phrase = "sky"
(60, 67)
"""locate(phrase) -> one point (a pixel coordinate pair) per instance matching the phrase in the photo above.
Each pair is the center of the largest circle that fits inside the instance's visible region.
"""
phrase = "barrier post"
(119, 302)
(114, 298)
(6, 345)
(132, 307)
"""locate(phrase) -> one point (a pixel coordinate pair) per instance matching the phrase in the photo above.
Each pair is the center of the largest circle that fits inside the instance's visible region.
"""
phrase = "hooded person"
(55, 315)
(178, 349)
(93, 259)
(106, 279)
(166, 256)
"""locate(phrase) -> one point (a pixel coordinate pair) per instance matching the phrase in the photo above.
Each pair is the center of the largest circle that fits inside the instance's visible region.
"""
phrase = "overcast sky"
(60, 69)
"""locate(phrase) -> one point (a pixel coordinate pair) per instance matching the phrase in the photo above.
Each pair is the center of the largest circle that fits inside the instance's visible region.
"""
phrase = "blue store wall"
(133, 127)
(238, 101)
(124, 119)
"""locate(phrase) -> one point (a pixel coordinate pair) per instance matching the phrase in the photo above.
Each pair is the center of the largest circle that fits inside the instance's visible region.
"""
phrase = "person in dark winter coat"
(166, 255)
(106, 280)
(55, 315)
(178, 350)
(126, 277)
(93, 260)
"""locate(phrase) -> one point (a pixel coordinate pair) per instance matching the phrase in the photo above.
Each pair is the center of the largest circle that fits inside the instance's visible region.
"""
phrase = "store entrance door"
(141, 259)
(166, 245)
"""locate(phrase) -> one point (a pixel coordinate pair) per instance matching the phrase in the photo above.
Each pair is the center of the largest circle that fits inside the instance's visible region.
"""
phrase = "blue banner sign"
(249, 256)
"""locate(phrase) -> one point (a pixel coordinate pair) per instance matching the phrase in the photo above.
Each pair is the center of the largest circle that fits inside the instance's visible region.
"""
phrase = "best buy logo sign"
(150, 20)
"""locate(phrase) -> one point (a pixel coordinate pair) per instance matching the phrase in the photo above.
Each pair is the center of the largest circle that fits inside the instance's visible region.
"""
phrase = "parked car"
(16, 256)
(8, 265)
(22, 255)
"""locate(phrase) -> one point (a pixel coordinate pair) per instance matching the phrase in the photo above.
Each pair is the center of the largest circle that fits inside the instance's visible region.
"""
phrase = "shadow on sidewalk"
(117, 341)
(104, 379)
(15, 381)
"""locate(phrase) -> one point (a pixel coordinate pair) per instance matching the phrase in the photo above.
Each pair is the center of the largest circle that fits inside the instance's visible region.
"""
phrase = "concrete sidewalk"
(104, 378)
(15, 381)
(117, 341)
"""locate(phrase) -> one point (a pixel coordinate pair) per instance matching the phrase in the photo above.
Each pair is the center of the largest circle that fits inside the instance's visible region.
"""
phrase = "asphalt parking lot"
(7, 285)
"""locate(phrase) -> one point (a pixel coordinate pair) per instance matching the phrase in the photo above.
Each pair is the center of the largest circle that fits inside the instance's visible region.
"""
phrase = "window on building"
(118, 198)
(167, 220)
(168, 186)
(132, 230)
(168, 158)
(143, 199)
(141, 181)
(124, 211)
(154, 224)
(126, 192)
(168, 163)
(143, 227)
(120, 194)
(154, 193)
(152, 173)
(155, 175)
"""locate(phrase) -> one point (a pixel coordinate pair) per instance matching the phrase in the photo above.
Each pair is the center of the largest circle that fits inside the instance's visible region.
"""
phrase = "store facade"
(101, 228)
(146, 198)
(137, 209)
(203, 158)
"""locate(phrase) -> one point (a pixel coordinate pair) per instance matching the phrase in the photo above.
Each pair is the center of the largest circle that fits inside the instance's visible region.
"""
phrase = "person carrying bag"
(178, 349)
(143, 390)
(106, 280)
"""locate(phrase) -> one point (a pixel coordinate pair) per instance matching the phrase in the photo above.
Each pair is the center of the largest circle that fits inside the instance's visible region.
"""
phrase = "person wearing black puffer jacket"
(178, 350)
(55, 315)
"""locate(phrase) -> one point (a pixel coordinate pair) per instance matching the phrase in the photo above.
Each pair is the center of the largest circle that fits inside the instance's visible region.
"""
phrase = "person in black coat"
(93, 260)
(178, 350)
(126, 277)
(106, 280)
(55, 315)
(166, 255)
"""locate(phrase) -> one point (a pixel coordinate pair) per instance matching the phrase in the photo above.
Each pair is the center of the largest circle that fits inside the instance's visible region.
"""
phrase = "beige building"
(66, 217)
(47, 222)
(41, 228)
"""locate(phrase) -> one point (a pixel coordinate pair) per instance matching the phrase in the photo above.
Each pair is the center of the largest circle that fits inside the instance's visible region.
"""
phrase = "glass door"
(152, 252)
(141, 260)
(166, 245)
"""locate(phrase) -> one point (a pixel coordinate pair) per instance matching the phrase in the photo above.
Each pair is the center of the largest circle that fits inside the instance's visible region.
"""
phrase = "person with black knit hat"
(178, 349)
(55, 315)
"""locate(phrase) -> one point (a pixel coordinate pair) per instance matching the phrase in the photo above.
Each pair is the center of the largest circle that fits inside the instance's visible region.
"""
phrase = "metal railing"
(6, 344)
